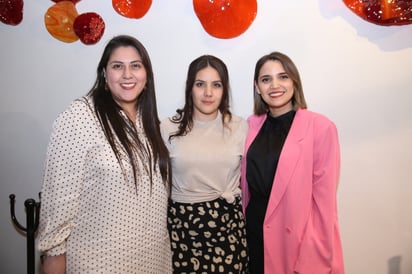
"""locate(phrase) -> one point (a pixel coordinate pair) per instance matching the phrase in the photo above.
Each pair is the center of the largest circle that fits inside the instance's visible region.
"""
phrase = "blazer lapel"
(288, 160)
(255, 125)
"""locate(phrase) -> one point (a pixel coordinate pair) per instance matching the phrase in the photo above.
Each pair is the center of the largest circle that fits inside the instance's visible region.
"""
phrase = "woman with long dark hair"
(106, 182)
(206, 142)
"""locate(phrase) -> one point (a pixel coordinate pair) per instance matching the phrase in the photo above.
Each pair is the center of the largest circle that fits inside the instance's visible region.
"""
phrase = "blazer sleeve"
(320, 243)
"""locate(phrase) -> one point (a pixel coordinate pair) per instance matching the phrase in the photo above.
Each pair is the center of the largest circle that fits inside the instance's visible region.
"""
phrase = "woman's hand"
(54, 264)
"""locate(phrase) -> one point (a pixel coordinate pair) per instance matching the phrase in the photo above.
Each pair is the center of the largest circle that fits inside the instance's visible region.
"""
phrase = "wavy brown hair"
(298, 99)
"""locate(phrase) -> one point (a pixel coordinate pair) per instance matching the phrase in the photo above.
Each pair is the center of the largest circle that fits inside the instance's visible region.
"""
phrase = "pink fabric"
(301, 231)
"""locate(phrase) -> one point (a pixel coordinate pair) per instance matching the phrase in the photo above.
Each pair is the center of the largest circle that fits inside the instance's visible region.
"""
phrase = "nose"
(127, 72)
(208, 91)
(274, 84)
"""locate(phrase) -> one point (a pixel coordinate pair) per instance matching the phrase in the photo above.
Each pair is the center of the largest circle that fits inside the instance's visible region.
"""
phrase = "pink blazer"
(301, 232)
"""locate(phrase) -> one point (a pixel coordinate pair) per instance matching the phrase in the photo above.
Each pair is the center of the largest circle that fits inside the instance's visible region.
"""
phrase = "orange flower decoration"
(59, 20)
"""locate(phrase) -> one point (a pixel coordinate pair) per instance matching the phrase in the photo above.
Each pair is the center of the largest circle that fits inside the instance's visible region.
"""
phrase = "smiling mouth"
(128, 85)
(276, 94)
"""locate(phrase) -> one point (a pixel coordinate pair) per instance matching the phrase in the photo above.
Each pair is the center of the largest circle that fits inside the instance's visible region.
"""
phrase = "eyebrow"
(135, 61)
(214, 81)
(269, 75)
(265, 75)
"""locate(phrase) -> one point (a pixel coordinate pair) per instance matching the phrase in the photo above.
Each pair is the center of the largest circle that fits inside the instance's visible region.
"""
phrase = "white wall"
(355, 72)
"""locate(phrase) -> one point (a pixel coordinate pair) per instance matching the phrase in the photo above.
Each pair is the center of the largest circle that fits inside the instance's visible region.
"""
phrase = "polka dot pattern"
(92, 211)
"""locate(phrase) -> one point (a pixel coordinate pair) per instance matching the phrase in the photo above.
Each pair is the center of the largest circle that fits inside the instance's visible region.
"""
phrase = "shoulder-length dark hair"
(298, 99)
(114, 124)
(184, 116)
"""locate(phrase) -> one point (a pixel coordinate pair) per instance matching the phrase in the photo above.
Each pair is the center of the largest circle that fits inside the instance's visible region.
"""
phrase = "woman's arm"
(63, 177)
(319, 245)
(54, 264)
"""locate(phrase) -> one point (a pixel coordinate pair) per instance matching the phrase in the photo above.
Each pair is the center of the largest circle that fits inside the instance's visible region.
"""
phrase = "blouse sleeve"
(166, 128)
(63, 177)
(163, 130)
(244, 127)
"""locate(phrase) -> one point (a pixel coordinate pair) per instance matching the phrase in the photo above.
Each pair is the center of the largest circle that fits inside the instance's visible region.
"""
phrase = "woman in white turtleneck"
(206, 144)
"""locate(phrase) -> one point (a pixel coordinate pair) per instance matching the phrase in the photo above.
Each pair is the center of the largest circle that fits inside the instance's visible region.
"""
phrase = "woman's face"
(125, 76)
(275, 87)
(207, 94)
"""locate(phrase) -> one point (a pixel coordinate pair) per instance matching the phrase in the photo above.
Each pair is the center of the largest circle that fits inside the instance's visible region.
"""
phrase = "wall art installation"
(223, 19)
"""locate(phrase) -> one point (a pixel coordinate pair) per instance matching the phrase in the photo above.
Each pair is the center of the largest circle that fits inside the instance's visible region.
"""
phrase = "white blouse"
(206, 161)
(94, 212)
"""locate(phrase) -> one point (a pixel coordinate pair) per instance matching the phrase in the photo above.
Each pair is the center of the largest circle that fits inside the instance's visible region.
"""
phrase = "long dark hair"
(114, 123)
(184, 116)
(298, 100)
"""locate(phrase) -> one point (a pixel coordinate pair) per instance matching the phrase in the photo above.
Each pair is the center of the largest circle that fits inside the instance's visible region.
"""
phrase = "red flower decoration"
(132, 8)
(11, 11)
(382, 12)
(89, 27)
(74, 1)
(225, 18)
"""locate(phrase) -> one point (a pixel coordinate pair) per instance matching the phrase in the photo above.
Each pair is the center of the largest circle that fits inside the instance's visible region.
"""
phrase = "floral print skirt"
(208, 237)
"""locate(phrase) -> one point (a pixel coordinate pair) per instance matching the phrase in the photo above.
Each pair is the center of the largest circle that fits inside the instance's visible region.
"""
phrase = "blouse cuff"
(57, 250)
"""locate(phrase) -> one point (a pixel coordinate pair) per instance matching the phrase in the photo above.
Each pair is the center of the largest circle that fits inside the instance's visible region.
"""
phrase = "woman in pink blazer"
(290, 176)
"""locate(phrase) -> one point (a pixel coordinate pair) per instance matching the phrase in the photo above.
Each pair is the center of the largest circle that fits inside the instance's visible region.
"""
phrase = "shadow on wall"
(394, 265)
(23, 143)
(387, 38)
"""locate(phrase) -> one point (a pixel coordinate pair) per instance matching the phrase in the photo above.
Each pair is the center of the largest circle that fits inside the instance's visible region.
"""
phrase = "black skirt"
(208, 237)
